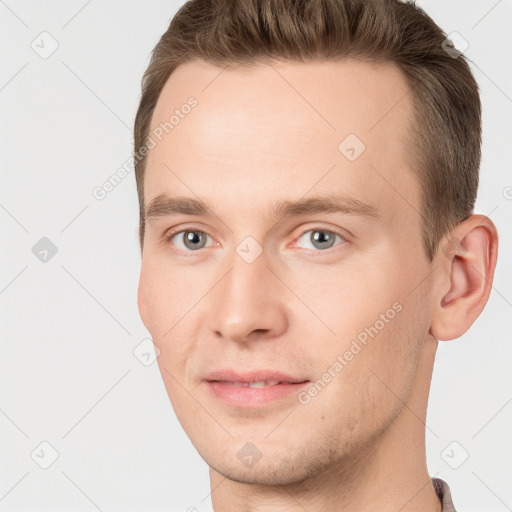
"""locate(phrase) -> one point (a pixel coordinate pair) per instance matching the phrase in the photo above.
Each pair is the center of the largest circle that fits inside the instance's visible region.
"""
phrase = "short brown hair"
(447, 127)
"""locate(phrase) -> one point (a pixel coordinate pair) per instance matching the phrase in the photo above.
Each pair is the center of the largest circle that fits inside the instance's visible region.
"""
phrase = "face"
(283, 273)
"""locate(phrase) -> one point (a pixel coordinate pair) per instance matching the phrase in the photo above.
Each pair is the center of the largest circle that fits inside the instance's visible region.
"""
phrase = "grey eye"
(191, 240)
(319, 238)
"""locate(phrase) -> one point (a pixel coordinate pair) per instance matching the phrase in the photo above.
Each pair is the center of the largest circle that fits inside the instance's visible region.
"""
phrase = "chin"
(273, 468)
(265, 474)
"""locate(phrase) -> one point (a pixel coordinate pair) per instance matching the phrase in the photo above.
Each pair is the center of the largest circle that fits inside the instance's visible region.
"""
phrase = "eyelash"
(343, 238)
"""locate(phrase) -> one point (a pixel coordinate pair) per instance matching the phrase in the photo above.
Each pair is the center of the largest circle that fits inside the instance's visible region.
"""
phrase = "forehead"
(284, 129)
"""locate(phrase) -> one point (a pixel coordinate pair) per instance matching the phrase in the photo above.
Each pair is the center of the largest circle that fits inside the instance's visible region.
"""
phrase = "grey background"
(70, 325)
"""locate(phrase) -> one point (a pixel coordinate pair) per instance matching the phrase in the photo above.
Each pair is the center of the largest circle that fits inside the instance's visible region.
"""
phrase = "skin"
(267, 133)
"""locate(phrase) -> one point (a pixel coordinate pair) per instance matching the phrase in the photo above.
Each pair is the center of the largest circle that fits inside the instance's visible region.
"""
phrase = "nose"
(249, 303)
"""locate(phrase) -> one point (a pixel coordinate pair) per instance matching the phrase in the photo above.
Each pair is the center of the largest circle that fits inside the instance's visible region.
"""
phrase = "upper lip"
(252, 376)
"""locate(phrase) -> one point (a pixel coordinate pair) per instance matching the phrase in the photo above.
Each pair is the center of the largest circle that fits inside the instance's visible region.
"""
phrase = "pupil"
(322, 239)
(193, 239)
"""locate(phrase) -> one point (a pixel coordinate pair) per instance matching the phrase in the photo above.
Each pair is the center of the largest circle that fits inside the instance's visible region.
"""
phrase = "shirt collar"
(443, 491)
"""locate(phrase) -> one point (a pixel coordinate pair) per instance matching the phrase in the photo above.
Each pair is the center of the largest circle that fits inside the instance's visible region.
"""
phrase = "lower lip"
(242, 396)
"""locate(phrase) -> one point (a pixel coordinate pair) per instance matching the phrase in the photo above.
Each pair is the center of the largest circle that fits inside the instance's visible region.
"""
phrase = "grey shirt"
(443, 491)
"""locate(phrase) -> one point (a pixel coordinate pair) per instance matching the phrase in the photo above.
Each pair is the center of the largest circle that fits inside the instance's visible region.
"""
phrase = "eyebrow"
(165, 206)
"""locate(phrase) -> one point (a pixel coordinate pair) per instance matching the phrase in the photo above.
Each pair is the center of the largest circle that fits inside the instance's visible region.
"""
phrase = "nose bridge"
(247, 299)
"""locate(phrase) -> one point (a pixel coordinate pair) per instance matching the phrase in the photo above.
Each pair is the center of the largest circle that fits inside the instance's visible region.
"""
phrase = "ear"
(142, 304)
(466, 259)
(140, 238)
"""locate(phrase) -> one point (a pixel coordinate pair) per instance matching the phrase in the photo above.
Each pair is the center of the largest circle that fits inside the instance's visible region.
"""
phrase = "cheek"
(168, 293)
(371, 389)
(349, 299)
(379, 330)
(169, 298)
(388, 364)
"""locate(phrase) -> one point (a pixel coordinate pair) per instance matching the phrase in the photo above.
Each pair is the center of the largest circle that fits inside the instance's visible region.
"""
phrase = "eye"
(191, 240)
(319, 239)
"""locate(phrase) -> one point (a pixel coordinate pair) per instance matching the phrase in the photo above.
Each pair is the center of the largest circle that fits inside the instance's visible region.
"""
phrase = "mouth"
(258, 384)
(253, 389)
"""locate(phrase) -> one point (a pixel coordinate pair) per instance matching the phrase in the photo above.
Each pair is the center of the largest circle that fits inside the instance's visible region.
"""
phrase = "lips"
(253, 389)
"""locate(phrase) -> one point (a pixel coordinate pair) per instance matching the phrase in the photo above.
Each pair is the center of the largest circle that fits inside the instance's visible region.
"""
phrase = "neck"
(389, 474)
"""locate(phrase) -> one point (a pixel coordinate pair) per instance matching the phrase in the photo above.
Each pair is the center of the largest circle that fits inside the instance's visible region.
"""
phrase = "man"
(306, 175)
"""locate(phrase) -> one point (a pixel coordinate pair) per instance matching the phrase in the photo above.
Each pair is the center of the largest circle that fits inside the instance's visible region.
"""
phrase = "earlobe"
(466, 262)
